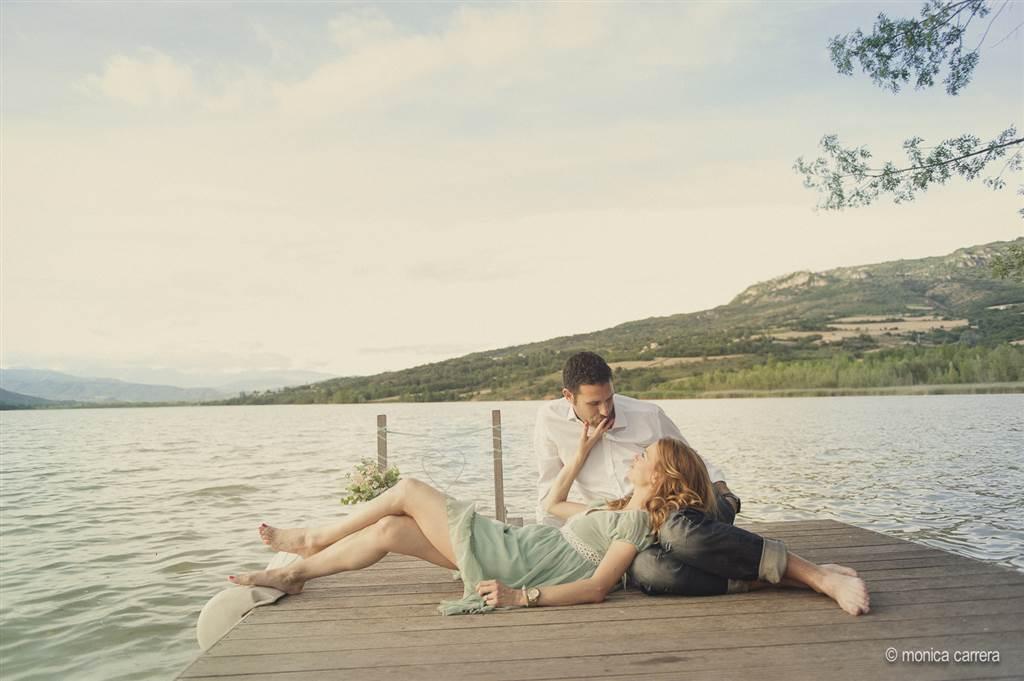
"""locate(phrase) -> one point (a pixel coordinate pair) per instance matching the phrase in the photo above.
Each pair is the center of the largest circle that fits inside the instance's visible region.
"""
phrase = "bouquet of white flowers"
(369, 481)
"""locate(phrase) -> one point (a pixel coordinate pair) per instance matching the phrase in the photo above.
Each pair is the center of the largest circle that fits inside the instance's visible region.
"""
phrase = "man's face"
(592, 403)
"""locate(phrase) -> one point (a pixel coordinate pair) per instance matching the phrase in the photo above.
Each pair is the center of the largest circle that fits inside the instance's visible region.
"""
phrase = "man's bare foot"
(849, 592)
(841, 569)
(298, 540)
(279, 579)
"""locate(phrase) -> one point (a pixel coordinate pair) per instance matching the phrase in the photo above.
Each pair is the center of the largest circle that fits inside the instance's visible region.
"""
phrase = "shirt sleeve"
(633, 527)
(548, 466)
(670, 429)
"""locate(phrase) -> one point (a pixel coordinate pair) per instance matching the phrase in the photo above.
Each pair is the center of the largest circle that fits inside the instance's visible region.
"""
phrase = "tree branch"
(843, 177)
(987, 149)
(991, 21)
(1003, 39)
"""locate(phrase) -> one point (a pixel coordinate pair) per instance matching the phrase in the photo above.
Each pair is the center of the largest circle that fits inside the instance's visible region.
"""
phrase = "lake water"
(117, 525)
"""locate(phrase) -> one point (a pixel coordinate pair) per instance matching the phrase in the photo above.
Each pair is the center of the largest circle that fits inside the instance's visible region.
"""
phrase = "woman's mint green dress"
(534, 555)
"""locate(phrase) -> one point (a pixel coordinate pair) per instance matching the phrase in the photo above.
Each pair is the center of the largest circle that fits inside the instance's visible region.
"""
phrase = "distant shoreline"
(909, 390)
(938, 389)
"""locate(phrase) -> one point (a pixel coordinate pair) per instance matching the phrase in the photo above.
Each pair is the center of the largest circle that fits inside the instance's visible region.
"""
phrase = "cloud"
(264, 36)
(238, 93)
(481, 49)
(551, 49)
(355, 29)
(154, 80)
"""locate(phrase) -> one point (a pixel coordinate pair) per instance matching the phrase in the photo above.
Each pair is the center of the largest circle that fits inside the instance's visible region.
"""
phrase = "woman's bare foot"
(298, 540)
(841, 569)
(279, 579)
(848, 591)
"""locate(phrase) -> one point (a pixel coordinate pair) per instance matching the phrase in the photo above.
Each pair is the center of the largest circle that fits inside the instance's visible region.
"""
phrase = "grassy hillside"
(880, 323)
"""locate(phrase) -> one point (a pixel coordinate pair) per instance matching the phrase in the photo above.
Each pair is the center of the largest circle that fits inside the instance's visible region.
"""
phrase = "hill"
(61, 387)
(13, 400)
(902, 323)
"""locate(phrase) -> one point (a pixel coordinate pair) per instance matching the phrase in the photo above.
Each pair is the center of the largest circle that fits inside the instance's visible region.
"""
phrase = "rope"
(383, 433)
(423, 465)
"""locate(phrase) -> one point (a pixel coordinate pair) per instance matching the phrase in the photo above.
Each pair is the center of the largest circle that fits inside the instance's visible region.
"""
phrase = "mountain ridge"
(62, 387)
(933, 301)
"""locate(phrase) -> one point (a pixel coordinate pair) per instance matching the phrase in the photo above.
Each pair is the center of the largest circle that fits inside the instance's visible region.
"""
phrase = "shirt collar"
(621, 421)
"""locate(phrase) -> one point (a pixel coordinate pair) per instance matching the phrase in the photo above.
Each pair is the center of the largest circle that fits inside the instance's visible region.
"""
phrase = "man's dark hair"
(585, 368)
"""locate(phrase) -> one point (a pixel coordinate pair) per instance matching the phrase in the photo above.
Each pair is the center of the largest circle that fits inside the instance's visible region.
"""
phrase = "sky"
(352, 188)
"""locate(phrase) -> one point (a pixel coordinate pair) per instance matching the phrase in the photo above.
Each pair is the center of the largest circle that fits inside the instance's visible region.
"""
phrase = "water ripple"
(134, 525)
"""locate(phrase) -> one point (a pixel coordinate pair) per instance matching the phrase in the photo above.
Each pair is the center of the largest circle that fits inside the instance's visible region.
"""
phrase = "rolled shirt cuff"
(773, 561)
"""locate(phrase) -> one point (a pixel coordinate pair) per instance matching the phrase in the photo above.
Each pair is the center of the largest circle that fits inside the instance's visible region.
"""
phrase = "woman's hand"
(498, 595)
(588, 439)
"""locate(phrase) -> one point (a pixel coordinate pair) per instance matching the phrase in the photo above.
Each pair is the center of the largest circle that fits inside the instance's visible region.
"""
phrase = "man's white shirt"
(557, 438)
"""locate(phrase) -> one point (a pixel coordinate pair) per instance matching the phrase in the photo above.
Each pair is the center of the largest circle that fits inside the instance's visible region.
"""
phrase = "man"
(588, 396)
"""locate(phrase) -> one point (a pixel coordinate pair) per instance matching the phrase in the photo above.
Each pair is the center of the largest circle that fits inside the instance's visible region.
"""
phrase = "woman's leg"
(365, 539)
(308, 541)
(390, 534)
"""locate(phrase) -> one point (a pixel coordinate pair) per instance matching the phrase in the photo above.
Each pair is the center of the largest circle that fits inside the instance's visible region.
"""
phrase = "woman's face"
(641, 473)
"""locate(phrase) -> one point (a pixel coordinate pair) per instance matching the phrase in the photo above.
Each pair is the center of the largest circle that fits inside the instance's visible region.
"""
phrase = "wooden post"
(382, 441)
(499, 478)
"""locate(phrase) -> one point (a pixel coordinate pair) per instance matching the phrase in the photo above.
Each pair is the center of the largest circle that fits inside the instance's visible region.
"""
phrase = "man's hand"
(498, 595)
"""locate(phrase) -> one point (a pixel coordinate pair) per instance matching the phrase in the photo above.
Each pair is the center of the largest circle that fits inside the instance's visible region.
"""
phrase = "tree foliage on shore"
(911, 366)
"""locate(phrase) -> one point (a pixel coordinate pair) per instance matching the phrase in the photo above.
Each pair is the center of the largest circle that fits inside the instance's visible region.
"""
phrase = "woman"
(539, 565)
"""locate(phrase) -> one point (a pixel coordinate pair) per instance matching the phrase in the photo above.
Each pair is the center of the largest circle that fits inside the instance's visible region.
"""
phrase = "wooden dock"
(382, 624)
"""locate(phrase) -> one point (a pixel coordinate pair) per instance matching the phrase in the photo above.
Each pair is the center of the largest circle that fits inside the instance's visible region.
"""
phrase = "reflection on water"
(118, 525)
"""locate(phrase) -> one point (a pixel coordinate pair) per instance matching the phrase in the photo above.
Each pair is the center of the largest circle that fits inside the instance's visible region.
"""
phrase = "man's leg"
(693, 538)
(657, 573)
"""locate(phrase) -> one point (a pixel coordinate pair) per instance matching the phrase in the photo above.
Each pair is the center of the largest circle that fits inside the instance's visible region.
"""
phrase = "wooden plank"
(841, 670)
(838, 671)
(794, 525)
(333, 587)
(861, 554)
(724, 622)
(810, 603)
(367, 578)
(645, 606)
(340, 596)
(904, 583)
(342, 589)
(624, 655)
(654, 640)
(381, 623)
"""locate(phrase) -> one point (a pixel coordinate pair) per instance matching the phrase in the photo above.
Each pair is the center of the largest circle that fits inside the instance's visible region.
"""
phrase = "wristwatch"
(532, 596)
